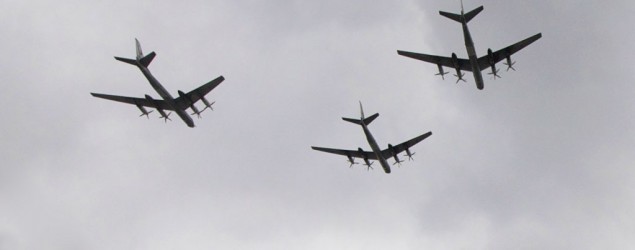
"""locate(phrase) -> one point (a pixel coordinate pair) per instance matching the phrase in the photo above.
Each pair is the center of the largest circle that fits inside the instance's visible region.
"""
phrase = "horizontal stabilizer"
(452, 16)
(145, 61)
(359, 122)
(126, 60)
(457, 17)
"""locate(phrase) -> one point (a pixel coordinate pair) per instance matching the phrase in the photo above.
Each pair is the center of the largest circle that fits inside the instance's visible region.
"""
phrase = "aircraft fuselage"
(471, 53)
(180, 111)
(375, 147)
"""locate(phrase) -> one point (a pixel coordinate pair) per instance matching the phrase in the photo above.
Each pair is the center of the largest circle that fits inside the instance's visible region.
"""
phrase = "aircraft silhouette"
(376, 153)
(474, 63)
(178, 105)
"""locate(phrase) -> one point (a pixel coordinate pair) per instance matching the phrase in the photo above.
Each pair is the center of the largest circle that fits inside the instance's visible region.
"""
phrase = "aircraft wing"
(200, 92)
(464, 64)
(351, 153)
(501, 54)
(135, 101)
(387, 153)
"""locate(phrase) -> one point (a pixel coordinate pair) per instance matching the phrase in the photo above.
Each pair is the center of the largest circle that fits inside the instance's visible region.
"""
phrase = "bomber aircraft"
(474, 63)
(178, 105)
(376, 153)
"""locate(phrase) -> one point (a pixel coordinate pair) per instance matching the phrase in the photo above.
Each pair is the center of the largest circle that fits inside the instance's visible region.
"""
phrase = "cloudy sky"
(540, 159)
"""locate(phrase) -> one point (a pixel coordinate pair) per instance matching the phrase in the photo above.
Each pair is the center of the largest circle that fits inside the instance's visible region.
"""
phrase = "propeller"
(166, 117)
(352, 163)
(510, 64)
(442, 75)
(494, 74)
(147, 114)
(143, 111)
(441, 72)
(208, 105)
(460, 77)
(369, 165)
(409, 154)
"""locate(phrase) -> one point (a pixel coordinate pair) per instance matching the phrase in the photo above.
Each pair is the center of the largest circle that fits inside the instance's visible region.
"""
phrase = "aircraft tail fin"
(143, 60)
(468, 16)
(139, 51)
(365, 120)
(359, 122)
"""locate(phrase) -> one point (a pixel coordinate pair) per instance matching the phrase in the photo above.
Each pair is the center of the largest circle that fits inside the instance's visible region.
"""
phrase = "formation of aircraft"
(474, 63)
(179, 105)
(376, 153)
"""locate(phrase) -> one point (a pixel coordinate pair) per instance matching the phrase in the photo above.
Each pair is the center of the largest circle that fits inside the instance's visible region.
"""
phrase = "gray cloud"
(538, 160)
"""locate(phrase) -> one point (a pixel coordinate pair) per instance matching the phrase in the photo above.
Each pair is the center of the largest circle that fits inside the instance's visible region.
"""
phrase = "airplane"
(178, 105)
(376, 153)
(474, 63)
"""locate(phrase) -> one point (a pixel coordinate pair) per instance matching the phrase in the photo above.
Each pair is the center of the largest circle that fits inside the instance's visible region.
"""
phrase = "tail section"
(139, 51)
(459, 18)
(141, 60)
(452, 16)
(364, 120)
(126, 60)
(145, 61)
(359, 122)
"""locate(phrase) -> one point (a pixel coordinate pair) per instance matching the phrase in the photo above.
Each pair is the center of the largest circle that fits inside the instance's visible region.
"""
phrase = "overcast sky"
(540, 159)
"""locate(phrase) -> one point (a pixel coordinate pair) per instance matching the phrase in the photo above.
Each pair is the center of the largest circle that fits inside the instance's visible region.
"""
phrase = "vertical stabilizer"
(139, 51)
(462, 9)
(361, 109)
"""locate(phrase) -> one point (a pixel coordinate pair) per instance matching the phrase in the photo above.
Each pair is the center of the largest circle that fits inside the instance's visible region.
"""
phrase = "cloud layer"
(540, 159)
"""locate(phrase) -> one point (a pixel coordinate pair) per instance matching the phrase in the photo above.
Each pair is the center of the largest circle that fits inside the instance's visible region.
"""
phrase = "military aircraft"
(376, 154)
(474, 63)
(178, 105)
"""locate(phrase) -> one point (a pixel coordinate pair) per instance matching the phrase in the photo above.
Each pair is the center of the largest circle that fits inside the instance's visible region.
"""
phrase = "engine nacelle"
(159, 109)
(207, 104)
(191, 103)
(455, 61)
(441, 72)
(350, 160)
(394, 154)
(492, 63)
(509, 63)
(366, 161)
(144, 111)
(183, 96)
(457, 67)
(409, 154)
(490, 56)
(195, 111)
